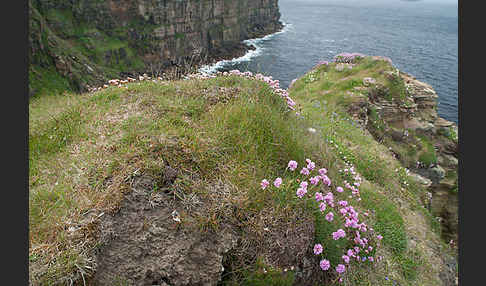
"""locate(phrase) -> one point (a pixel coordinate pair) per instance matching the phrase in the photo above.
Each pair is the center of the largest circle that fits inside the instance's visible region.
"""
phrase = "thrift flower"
(292, 165)
(301, 192)
(314, 180)
(346, 258)
(319, 196)
(304, 185)
(325, 264)
(343, 203)
(326, 180)
(322, 207)
(317, 249)
(338, 234)
(264, 184)
(305, 171)
(340, 268)
(330, 216)
(322, 171)
(277, 182)
(339, 189)
(310, 165)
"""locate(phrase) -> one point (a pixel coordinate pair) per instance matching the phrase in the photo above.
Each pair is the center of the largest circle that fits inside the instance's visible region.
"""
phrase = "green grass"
(261, 274)
(388, 221)
(428, 156)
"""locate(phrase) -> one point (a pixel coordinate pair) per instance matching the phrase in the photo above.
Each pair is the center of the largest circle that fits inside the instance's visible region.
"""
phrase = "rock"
(420, 179)
(425, 127)
(441, 122)
(437, 173)
(447, 160)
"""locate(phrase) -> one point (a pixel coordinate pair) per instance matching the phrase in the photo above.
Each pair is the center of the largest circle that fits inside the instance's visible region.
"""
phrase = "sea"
(420, 37)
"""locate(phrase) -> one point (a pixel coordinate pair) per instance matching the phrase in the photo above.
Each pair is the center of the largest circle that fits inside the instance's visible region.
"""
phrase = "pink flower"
(343, 203)
(346, 258)
(305, 171)
(330, 216)
(264, 184)
(317, 249)
(338, 234)
(319, 196)
(292, 165)
(343, 211)
(322, 171)
(340, 268)
(314, 180)
(329, 198)
(304, 185)
(370, 258)
(310, 165)
(325, 264)
(379, 237)
(339, 189)
(326, 180)
(301, 192)
(322, 207)
(277, 182)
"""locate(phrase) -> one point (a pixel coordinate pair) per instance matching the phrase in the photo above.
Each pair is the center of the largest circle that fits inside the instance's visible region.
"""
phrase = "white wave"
(249, 55)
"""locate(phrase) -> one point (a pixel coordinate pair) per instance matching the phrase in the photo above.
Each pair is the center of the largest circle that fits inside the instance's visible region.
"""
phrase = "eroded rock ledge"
(416, 113)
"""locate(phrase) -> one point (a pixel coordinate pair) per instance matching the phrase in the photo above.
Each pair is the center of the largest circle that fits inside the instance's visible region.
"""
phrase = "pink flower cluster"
(338, 234)
(350, 174)
(353, 230)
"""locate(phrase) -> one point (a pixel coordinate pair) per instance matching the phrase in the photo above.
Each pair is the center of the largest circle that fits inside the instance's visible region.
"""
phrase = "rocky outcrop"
(444, 171)
(143, 35)
(426, 144)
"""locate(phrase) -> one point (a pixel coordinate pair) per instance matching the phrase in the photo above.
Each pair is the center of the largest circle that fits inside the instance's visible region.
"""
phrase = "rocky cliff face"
(103, 38)
(426, 144)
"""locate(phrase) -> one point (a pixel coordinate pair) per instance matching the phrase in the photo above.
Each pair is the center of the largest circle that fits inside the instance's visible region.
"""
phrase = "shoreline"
(249, 49)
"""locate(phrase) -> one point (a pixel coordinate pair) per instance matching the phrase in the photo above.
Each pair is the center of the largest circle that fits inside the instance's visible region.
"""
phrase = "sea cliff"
(75, 44)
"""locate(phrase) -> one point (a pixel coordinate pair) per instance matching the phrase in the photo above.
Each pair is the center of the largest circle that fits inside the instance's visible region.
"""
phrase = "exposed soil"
(144, 244)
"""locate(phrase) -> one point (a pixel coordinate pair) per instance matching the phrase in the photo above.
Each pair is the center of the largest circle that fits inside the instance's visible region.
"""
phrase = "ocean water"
(421, 38)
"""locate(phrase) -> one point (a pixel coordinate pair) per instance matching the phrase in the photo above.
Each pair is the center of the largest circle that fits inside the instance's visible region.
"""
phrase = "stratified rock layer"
(90, 39)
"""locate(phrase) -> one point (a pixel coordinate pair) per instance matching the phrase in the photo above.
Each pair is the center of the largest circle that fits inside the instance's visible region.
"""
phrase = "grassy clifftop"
(124, 180)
